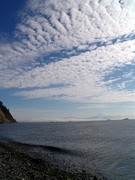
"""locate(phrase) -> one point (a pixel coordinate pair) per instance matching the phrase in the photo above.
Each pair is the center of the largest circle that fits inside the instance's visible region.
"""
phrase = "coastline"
(16, 165)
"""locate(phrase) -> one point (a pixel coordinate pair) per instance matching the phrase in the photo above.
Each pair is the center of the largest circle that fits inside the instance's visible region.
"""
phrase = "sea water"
(100, 147)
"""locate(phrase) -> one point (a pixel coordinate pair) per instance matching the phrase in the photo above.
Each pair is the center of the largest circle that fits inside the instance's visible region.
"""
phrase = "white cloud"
(97, 35)
(128, 75)
(95, 106)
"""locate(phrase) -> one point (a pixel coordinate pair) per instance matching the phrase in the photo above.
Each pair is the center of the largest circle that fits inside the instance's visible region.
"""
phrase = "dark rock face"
(5, 115)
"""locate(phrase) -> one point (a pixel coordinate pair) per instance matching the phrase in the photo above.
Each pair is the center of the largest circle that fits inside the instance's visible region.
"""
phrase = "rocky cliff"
(5, 115)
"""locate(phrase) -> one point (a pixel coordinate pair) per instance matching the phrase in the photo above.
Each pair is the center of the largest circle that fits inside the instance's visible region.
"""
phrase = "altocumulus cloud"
(64, 50)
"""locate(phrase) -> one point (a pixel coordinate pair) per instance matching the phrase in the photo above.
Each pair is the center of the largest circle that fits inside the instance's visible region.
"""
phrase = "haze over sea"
(102, 147)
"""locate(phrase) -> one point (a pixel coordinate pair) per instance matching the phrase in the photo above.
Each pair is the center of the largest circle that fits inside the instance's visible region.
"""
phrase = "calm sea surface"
(106, 147)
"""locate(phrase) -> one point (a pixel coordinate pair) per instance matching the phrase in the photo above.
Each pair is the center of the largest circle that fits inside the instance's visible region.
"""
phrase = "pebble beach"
(20, 166)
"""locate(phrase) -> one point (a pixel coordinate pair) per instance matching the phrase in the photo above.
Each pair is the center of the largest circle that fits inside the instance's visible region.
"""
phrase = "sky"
(67, 60)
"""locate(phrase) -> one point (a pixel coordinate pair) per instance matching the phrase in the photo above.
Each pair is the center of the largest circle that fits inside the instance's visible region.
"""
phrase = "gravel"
(16, 165)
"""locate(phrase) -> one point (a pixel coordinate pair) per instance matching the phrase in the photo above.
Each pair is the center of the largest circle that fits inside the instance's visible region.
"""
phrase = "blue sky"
(68, 60)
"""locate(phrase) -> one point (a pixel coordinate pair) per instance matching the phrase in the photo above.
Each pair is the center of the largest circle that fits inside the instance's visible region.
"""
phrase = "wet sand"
(15, 165)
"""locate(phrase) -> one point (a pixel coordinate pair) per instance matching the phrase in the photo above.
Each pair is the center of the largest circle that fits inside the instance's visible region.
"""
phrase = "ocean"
(100, 147)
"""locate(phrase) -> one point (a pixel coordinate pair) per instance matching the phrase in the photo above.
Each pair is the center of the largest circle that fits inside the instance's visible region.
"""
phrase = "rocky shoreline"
(20, 166)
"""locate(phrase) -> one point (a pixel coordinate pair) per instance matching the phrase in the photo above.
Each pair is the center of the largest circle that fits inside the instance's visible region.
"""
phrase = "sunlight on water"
(106, 147)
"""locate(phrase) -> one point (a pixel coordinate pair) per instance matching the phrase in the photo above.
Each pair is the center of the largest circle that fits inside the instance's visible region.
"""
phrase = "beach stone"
(20, 166)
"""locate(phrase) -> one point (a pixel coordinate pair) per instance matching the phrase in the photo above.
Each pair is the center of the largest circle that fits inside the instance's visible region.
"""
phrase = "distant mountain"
(100, 116)
(5, 115)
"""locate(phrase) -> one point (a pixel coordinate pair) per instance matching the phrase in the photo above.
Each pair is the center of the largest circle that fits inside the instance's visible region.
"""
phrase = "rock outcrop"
(5, 115)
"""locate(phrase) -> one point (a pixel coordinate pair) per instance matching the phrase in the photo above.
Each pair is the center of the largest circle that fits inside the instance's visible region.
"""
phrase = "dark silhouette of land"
(5, 115)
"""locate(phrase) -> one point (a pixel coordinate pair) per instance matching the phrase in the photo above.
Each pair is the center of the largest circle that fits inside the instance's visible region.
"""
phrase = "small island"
(5, 115)
(126, 119)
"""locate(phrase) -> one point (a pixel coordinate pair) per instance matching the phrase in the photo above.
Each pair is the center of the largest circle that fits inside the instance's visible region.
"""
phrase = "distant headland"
(126, 119)
(5, 115)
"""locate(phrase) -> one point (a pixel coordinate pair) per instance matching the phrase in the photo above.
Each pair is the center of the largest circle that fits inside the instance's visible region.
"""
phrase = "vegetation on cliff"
(5, 115)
